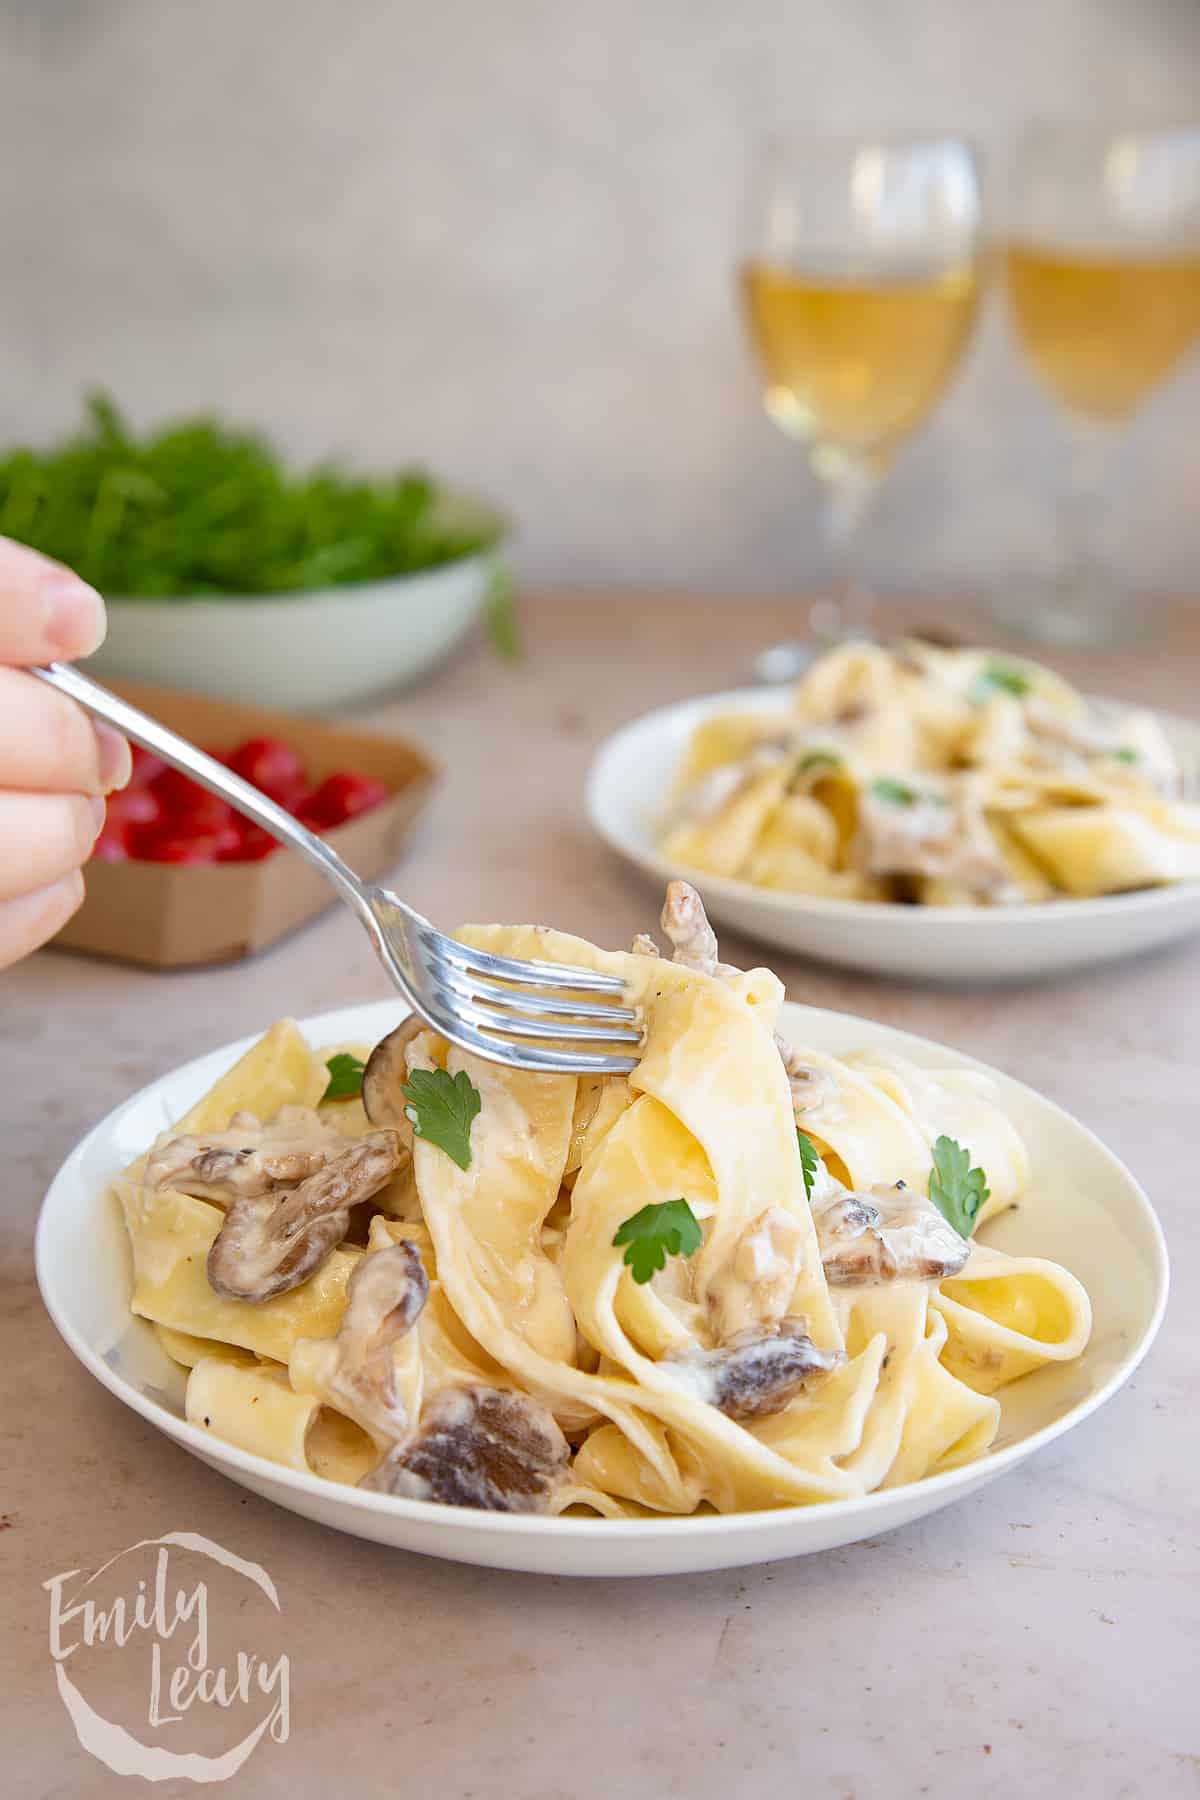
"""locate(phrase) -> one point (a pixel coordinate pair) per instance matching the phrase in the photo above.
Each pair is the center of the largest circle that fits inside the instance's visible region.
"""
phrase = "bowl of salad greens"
(228, 572)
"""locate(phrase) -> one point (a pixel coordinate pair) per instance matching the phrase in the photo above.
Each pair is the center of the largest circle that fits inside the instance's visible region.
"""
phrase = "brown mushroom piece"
(385, 1074)
(811, 1088)
(934, 836)
(886, 1234)
(385, 1297)
(756, 1372)
(686, 924)
(695, 943)
(270, 1243)
(248, 1159)
(477, 1446)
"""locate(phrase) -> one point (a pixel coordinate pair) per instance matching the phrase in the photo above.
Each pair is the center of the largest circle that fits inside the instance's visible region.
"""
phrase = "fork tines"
(526, 974)
(528, 1004)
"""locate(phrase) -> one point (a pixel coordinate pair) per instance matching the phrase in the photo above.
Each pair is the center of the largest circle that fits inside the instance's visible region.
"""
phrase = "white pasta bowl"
(1084, 1209)
(628, 784)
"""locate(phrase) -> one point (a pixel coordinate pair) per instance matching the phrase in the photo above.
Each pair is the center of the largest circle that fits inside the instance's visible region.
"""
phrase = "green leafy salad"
(197, 509)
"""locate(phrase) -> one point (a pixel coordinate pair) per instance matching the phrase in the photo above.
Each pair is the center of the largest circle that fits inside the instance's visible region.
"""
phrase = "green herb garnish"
(809, 1160)
(956, 1189)
(1002, 678)
(1125, 755)
(197, 508)
(817, 759)
(345, 1076)
(499, 614)
(656, 1232)
(896, 793)
(441, 1108)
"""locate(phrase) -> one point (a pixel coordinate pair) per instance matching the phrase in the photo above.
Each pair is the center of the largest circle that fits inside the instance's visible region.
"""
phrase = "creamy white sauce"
(756, 1285)
(937, 840)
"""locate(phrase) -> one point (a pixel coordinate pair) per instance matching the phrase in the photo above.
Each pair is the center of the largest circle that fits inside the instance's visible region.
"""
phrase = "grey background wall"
(497, 235)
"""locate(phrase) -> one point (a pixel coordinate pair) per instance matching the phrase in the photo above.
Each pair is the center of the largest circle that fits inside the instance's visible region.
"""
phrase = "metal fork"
(468, 996)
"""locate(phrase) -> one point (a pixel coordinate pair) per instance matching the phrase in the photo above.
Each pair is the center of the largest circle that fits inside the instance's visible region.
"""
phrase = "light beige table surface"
(1040, 1637)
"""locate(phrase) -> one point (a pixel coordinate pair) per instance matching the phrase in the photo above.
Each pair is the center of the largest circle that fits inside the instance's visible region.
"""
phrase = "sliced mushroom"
(810, 1087)
(270, 1243)
(686, 924)
(481, 1447)
(886, 1234)
(937, 836)
(385, 1075)
(912, 834)
(356, 1369)
(756, 1372)
(249, 1159)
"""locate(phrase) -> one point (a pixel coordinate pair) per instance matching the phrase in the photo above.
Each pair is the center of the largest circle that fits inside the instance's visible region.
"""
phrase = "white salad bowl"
(1083, 1209)
(632, 775)
(305, 650)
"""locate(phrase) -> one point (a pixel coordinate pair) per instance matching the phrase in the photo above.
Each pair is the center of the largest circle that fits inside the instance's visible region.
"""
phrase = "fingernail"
(116, 762)
(98, 811)
(74, 616)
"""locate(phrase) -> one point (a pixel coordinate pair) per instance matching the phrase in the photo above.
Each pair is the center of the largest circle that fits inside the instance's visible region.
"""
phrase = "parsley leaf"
(345, 1077)
(956, 1189)
(440, 1109)
(1125, 755)
(656, 1232)
(808, 1160)
(896, 793)
(1002, 678)
(817, 759)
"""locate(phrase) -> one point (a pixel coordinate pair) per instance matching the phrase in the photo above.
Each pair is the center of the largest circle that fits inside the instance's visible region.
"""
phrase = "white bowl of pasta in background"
(632, 775)
(1083, 1208)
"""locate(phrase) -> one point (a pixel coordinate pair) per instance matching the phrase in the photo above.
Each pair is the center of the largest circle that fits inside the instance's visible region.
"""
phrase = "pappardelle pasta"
(744, 1276)
(935, 776)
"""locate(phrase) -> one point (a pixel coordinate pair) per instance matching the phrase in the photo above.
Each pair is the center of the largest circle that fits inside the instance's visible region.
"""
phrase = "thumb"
(46, 612)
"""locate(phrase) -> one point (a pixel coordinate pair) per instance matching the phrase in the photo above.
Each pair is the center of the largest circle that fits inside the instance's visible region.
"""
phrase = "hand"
(55, 764)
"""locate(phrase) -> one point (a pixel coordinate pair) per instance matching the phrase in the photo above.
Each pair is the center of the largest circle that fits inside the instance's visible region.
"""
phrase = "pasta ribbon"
(943, 777)
(475, 1334)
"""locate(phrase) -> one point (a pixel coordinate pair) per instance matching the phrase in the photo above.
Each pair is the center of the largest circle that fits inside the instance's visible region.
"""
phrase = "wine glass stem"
(1090, 446)
(849, 491)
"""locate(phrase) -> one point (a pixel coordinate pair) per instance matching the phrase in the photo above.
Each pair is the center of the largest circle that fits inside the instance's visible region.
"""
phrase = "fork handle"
(219, 780)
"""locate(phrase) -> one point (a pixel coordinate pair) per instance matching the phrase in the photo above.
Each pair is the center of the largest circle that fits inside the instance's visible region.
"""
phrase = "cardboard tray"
(168, 916)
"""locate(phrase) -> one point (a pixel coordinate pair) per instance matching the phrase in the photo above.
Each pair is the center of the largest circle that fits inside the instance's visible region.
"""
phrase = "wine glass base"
(831, 621)
(1077, 615)
(780, 664)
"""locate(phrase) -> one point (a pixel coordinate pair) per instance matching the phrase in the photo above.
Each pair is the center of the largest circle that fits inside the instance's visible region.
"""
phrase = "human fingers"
(46, 612)
(30, 920)
(44, 837)
(49, 745)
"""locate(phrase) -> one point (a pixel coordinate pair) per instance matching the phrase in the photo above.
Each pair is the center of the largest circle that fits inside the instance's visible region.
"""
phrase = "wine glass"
(1103, 268)
(859, 286)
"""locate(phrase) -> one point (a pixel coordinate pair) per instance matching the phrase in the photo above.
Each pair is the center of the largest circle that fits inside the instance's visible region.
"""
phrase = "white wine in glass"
(1103, 331)
(852, 366)
(1103, 268)
(860, 287)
